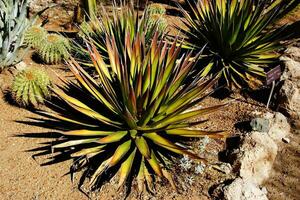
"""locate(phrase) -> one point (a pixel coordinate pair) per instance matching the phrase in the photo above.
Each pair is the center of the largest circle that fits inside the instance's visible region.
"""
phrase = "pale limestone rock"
(279, 128)
(241, 189)
(256, 156)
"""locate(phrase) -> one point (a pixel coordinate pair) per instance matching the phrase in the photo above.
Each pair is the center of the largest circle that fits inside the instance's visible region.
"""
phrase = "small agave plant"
(35, 35)
(135, 115)
(53, 49)
(13, 23)
(31, 87)
(240, 44)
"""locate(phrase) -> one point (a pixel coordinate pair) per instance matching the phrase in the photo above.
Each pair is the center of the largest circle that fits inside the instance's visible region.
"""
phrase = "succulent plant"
(34, 36)
(89, 8)
(156, 8)
(135, 115)
(53, 49)
(13, 23)
(108, 26)
(240, 44)
(31, 87)
(158, 21)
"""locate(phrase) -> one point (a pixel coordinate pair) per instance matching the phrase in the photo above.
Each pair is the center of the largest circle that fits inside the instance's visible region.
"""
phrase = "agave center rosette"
(240, 44)
(137, 111)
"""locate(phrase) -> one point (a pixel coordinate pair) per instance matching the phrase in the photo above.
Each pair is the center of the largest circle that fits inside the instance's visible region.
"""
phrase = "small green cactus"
(156, 8)
(34, 36)
(53, 49)
(31, 87)
(157, 20)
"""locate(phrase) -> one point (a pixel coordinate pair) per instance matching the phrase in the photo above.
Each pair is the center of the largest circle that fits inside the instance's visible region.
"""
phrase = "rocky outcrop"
(254, 158)
(289, 94)
(241, 189)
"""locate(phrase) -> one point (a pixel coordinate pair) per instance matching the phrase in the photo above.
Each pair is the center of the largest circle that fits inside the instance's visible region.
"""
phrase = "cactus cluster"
(31, 87)
(13, 23)
(53, 49)
(34, 36)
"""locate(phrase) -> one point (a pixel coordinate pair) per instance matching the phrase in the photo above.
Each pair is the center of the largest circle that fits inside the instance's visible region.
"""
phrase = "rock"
(260, 124)
(289, 98)
(255, 157)
(289, 94)
(292, 68)
(279, 127)
(293, 52)
(241, 189)
(286, 140)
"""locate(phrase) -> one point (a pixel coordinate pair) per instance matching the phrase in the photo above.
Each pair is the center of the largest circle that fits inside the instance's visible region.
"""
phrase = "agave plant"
(239, 45)
(53, 49)
(34, 36)
(31, 87)
(13, 23)
(89, 7)
(134, 116)
(156, 8)
(115, 26)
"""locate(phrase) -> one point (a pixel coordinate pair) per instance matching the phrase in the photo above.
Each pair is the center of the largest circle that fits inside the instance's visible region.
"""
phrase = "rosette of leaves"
(31, 87)
(135, 117)
(35, 35)
(240, 44)
(53, 49)
(112, 25)
(156, 8)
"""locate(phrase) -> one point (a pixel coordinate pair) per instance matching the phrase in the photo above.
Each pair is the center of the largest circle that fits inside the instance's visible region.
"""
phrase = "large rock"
(241, 189)
(292, 68)
(279, 126)
(255, 157)
(289, 98)
(289, 94)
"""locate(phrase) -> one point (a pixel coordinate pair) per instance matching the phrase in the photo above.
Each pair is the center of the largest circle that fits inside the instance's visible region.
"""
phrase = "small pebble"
(286, 140)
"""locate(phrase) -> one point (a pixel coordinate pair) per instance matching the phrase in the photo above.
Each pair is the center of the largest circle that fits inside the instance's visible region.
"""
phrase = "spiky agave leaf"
(53, 49)
(113, 25)
(34, 36)
(238, 42)
(135, 112)
(31, 87)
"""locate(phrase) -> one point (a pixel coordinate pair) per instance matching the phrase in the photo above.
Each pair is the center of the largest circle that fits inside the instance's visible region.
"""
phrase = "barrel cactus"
(34, 36)
(159, 21)
(53, 49)
(156, 8)
(31, 87)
